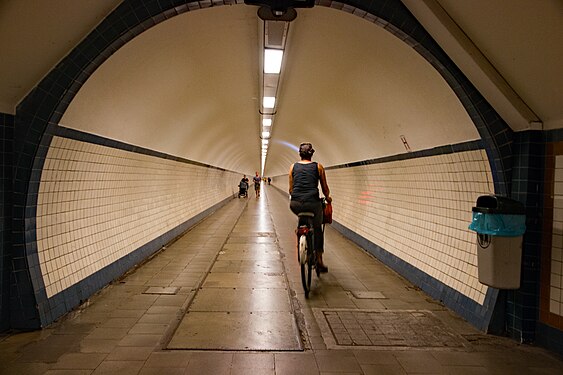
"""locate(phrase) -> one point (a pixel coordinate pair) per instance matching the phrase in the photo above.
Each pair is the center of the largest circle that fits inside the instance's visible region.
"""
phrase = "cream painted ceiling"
(189, 86)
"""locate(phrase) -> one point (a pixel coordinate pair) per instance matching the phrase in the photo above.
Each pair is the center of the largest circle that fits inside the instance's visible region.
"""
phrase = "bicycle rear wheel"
(306, 265)
(302, 249)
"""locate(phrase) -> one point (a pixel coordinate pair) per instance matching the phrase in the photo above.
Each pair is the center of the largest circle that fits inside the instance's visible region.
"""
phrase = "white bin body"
(499, 261)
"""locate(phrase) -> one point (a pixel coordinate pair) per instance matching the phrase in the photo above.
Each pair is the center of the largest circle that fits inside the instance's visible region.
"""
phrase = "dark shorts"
(315, 207)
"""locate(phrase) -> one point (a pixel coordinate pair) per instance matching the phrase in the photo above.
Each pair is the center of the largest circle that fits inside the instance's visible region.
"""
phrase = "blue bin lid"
(494, 204)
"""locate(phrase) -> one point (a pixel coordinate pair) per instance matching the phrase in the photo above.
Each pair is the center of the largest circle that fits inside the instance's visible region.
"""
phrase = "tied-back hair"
(306, 150)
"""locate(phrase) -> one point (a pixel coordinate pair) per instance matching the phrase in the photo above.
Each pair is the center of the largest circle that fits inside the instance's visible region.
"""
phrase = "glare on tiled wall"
(418, 209)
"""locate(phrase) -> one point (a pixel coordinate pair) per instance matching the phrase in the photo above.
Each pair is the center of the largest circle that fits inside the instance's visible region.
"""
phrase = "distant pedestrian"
(257, 180)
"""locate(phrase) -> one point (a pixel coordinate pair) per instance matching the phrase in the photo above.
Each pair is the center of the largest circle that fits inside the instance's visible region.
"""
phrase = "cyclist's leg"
(319, 236)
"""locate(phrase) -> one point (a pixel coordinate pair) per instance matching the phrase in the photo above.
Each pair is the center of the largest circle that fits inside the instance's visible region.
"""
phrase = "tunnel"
(141, 130)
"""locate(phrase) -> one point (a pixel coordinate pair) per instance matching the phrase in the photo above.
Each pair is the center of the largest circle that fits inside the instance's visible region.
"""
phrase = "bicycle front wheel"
(306, 265)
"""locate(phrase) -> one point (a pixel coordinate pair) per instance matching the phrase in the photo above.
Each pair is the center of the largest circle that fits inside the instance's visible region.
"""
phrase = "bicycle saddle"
(309, 214)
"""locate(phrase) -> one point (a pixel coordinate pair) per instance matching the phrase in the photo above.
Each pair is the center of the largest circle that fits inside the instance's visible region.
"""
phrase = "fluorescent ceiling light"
(267, 122)
(265, 134)
(269, 101)
(265, 142)
(272, 60)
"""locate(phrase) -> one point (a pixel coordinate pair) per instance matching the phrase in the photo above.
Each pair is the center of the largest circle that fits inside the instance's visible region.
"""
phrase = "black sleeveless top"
(305, 182)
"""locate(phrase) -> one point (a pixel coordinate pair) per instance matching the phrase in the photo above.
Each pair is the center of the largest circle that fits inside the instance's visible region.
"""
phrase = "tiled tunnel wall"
(412, 212)
(419, 210)
(40, 112)
(102, 209)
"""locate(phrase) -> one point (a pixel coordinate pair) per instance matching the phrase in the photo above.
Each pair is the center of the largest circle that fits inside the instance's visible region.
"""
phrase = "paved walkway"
(360, 318)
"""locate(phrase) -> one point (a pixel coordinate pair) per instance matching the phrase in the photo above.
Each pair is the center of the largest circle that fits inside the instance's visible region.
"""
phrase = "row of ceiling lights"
(274, 40)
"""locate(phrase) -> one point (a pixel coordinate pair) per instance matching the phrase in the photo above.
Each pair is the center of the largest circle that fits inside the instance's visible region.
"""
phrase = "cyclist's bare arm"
(324, 184)
(291, 179)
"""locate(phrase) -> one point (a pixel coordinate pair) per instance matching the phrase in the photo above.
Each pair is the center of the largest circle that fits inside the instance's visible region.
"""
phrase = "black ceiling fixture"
(279, 10)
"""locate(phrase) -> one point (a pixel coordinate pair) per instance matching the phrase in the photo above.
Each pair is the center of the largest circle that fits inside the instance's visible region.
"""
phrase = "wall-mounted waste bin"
(500, 223)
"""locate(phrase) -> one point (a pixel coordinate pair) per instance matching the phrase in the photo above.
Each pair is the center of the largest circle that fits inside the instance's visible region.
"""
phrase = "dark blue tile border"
(521, 307)
(78, 135)
(441, 150)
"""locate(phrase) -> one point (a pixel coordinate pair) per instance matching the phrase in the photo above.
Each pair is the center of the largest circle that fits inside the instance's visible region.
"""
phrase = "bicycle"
(306, 254)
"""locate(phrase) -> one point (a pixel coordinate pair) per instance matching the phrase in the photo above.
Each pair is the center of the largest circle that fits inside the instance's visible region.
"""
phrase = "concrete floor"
(226, 298)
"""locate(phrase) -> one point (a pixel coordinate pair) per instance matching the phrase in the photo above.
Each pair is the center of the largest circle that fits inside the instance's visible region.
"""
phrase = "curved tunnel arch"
(38, 116)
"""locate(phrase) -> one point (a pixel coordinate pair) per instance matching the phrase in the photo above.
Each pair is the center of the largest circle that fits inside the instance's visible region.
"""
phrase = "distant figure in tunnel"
(304, 178)
(269, 180)
(257, 180)
(243, 187)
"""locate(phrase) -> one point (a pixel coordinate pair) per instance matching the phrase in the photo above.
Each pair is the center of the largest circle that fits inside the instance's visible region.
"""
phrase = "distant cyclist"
(257, 180)
(304, 178)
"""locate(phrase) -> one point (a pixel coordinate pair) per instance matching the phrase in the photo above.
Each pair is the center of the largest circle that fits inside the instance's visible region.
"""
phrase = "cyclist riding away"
(304, 178)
